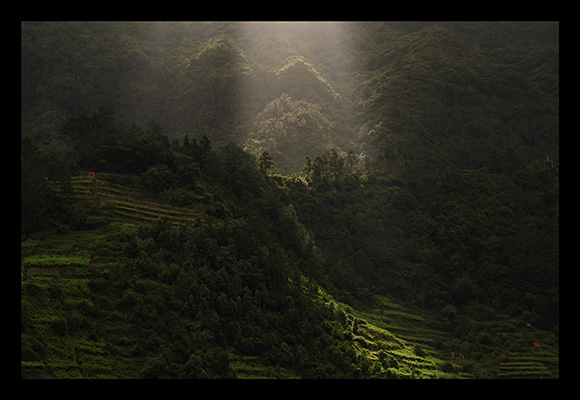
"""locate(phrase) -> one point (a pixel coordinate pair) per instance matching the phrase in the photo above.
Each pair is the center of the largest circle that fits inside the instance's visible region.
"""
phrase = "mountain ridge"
(406, 229)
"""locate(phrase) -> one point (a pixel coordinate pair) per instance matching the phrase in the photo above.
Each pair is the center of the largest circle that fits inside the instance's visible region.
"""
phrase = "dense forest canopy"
(329, 167)
(382, 88)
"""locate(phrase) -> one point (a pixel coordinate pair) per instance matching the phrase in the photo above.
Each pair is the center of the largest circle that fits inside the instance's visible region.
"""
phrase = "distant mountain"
(398, 90)
(445, 86)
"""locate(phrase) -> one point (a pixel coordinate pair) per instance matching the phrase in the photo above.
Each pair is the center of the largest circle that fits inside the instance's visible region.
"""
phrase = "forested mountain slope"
(290, 200)
(399, 89)
(441, 95)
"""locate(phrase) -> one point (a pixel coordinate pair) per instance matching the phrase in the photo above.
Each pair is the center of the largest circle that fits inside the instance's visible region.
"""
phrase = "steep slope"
(299, 79)
(496, 82)
(290, 130)
(138, 296)
(436, 96)
(130, 296)
(308, 117)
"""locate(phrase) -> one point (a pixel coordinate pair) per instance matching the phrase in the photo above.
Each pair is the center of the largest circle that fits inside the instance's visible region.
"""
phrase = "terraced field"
(397, 331)
(379, 340)
(66, 254)
(249, 367)
(405, 339)
(539, 362)
(127, 201)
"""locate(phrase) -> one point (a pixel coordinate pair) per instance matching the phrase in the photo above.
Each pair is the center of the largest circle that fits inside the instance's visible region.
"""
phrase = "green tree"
(464, 291)
(265, 162)
(44, 177)
(90, 134)
(159, 178)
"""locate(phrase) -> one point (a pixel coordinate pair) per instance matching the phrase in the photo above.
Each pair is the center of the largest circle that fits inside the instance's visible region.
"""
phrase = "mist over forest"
(290, 199)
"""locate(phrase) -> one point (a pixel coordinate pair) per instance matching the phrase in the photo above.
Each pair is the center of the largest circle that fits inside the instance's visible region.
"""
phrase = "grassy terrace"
(398, 332)
(127, 201)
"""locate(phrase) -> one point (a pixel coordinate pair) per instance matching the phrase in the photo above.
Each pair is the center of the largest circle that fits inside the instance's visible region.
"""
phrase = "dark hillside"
(290, 200)
(407, 91)
(437, 97)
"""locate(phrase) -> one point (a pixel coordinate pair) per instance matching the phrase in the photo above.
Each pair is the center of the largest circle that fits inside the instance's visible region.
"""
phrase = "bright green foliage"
(52, 260)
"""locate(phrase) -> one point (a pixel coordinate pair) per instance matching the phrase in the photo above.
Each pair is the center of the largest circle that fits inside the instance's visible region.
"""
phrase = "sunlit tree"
(265, 162)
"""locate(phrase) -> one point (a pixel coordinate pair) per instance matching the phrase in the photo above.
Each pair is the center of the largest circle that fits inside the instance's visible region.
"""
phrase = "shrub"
(418, 350)
(448, 367)
(59, 326)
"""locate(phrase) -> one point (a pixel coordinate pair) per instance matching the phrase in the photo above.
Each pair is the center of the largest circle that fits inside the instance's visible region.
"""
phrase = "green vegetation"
(126, 202)
(227, 200)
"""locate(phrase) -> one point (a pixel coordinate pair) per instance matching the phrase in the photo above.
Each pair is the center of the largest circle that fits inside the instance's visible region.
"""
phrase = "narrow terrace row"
(125, 202)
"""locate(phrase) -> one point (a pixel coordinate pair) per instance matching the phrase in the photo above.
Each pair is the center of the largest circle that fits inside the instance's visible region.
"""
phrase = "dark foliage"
(426, 169)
